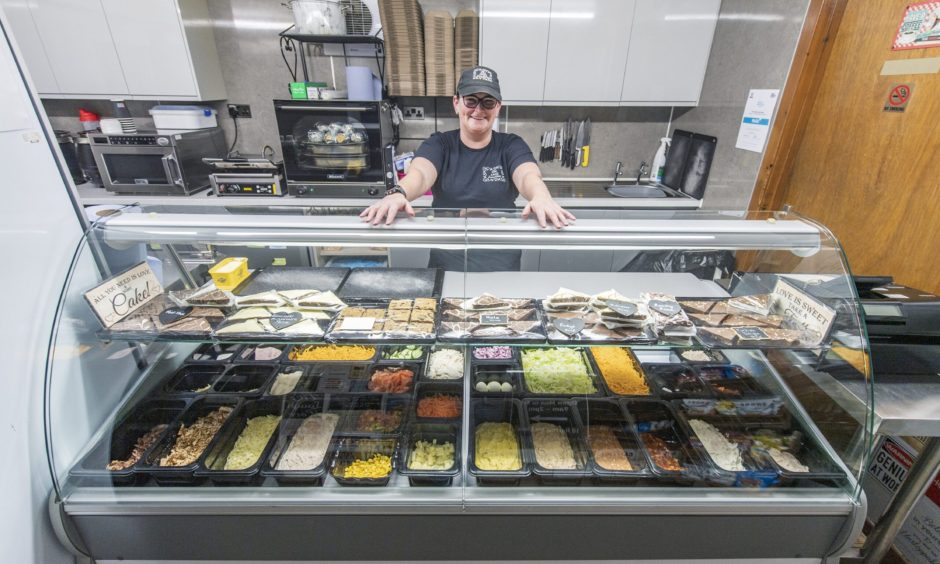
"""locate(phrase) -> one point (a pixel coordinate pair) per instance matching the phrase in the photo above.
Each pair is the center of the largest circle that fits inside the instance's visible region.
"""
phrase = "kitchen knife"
(569, 142)
(586, 150)
(558, 141)
(578, 142)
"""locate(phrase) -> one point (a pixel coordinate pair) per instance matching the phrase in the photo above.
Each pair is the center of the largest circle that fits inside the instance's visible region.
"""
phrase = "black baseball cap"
(479, 79)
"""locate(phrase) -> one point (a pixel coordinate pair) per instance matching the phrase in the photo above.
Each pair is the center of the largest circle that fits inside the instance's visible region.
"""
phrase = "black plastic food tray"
(392, 283)
(299, 410)
(636, 363)
(245, 379)
(656, 419)
(610, 413)
(287, 355)
(189, 378)
(599, 387)
(233, 350)
(564, 414)
(440, 388)
(426, 365)
(442, 433)
(535, 336)
(379, 403)
(362, 385)
(670, 380)
(351, 448)
(730, 381)
(264, 338)
(119, 443)
(184, 475)
(717, 357)
(758, 473)
(247, 353)
(324, 279)
(513, 355)
(388, 349)
(499, 411)
(497, 372)
(304, 385)
(212, 465)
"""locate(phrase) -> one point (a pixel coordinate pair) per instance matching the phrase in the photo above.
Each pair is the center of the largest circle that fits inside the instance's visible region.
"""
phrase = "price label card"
(751, 333)
(664, 307)
(174, 314)
(494, 319)
(357, 324)
(569, 326)
(123, 294)
(284, 319)
(625, 309)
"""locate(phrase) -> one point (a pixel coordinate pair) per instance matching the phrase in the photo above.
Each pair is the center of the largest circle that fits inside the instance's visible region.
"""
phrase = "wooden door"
(871, 176)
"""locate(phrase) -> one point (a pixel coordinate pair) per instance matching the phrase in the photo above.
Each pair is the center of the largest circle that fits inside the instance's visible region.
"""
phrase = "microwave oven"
(156, 163)
(334, 147)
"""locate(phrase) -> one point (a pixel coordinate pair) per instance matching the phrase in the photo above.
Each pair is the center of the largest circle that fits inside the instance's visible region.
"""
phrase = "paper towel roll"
(359, 83)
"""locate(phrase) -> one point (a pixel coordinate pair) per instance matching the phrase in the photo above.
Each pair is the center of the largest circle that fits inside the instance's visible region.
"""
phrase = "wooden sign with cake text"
(121, 295)
(810, 314)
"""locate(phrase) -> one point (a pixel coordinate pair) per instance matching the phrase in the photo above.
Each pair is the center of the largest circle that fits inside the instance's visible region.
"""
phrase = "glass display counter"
(637, 385)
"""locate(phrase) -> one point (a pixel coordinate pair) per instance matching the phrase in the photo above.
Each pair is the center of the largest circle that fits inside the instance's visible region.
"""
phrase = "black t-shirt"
(475, 178)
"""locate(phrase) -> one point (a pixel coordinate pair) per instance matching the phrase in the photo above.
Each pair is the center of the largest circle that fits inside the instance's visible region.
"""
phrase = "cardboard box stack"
(404, 46)
(466, 41)
(439, 53)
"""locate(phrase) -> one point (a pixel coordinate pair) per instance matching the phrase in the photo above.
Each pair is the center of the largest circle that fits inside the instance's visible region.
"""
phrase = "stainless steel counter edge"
(92, 196)
(297, 501)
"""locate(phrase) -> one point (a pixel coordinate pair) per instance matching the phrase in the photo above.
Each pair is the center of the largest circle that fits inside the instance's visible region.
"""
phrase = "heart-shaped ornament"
(665, 307)
(174, 314)
(625, 309)
(284, 319)
(569, 326)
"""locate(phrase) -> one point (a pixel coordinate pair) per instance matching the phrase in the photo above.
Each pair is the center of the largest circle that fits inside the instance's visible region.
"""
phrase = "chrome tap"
(617, 171)
(643, 170)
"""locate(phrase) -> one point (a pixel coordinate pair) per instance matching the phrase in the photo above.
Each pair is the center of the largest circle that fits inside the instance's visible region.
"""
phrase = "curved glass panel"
(630, 360)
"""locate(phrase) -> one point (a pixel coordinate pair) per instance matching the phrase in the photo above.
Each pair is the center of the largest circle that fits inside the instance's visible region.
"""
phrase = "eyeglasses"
(472, 102)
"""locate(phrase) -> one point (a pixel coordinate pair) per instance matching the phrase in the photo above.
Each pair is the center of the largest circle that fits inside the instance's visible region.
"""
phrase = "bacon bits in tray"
(489, 317)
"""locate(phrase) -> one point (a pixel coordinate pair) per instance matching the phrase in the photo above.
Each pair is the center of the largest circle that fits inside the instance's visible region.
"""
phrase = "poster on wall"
(920, 27)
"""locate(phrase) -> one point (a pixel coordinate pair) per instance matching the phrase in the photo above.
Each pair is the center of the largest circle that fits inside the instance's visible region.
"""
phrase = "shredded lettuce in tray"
(556, 371)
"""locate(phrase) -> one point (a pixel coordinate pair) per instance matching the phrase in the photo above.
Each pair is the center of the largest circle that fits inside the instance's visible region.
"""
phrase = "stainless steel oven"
(334, 147)
(154, 163)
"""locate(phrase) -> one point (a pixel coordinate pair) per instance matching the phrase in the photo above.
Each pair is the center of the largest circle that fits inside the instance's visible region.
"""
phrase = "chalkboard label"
(494, 319)
(665, 307)
(284, 319)
(569, 326)
(625, 309)
(174, 314)
(750, 333)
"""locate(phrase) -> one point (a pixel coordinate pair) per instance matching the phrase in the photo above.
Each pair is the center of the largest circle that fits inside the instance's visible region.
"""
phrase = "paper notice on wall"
(755, 125)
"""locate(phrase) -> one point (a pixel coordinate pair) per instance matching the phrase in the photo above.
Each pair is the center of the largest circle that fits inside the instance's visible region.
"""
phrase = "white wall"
(38, 232)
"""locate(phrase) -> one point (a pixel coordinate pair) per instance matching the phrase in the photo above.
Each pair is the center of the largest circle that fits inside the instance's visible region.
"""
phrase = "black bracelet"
(396, 189)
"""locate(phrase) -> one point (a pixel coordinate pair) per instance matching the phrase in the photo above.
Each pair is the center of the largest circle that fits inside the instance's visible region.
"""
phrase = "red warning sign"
(898, 97)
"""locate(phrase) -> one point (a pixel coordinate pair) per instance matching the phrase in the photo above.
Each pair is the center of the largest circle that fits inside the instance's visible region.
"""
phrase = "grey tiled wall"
(753, 46)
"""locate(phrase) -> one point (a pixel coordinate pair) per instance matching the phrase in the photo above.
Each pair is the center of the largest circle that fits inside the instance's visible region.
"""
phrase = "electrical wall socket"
(413, 112)
(239, 110)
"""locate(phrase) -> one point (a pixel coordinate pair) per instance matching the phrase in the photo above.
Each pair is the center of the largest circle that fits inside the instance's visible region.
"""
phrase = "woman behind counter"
(473, 167)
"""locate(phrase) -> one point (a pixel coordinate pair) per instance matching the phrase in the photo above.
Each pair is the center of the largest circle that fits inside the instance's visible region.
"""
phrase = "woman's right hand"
(386, 209)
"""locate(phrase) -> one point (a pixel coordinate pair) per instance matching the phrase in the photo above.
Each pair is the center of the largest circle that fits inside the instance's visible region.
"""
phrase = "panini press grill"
(248, 175)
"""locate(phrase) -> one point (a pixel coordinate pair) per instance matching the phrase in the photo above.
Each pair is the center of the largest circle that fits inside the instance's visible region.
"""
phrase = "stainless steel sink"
(636, 191)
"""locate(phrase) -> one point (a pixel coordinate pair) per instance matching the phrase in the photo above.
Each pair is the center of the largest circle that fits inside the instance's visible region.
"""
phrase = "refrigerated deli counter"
(633, 386)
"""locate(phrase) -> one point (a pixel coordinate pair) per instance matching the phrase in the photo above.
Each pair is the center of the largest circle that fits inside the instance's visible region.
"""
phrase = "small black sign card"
(625, 309)
(174, 314)
(569, 326)
(283, 319)
(494, 319)
(665, 307)
(751, 333)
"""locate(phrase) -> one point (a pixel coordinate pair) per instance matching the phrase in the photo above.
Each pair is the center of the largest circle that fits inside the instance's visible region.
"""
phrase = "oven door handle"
(327, 108)
(173, 171)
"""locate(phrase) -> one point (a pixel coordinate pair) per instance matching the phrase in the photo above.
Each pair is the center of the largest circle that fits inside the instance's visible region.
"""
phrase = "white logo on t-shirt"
(493, 174)
(482, 74)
